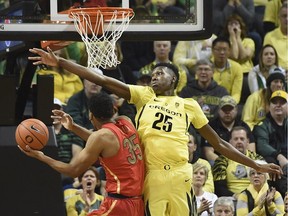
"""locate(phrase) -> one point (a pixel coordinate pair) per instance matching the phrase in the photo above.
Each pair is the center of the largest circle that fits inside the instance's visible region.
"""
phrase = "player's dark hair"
(101, 106)
(171, 67)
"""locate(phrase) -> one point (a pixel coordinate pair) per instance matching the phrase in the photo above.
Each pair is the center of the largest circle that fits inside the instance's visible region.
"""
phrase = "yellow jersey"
(162, 123)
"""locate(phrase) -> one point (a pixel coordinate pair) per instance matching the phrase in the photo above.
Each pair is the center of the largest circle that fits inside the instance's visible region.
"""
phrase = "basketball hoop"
(100, 28)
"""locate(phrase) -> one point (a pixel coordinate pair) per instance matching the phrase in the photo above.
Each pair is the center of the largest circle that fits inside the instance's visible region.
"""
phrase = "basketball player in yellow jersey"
(162, 121)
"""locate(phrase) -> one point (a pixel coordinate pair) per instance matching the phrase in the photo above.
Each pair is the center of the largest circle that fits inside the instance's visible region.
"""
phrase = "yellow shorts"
(168, 190)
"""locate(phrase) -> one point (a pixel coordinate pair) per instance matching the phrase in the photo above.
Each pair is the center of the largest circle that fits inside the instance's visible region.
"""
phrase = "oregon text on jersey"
(165, 110)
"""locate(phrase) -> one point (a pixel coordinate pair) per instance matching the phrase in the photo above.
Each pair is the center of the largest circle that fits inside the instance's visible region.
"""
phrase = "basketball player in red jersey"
(116, 144)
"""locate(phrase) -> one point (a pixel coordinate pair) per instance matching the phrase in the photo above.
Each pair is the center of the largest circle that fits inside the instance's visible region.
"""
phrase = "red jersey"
(125, 170)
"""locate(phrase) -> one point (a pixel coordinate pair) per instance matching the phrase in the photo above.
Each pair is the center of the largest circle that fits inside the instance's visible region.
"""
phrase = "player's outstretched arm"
(232, 153)
(49, 58)
(66, 120)
(80, 162)
(59, 166)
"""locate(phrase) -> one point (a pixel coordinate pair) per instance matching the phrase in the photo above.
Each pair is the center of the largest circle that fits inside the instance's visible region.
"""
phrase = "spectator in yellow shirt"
(270, 19)
(66, 84)
(227, 72)
(279, 37)
(187, 53)
(86, 200)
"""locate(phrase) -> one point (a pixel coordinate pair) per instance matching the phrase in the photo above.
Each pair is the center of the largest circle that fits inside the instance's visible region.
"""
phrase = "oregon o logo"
(29, 139)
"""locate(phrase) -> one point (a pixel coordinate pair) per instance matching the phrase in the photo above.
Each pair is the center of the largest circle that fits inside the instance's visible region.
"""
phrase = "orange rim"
(107, 12)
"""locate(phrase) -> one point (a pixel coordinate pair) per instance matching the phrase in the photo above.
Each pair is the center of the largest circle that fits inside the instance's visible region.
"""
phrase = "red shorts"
(118, 207)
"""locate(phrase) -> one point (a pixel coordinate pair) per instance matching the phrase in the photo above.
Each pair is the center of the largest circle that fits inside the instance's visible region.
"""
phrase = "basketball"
(32, 132)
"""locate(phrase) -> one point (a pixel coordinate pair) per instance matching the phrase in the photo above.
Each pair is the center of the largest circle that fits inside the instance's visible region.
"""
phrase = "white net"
(100, 33)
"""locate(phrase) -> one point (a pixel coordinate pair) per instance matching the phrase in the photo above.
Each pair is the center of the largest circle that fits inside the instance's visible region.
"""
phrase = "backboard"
(35, 20)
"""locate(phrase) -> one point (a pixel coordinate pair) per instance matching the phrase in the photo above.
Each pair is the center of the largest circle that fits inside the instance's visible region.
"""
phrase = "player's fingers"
(33, 50)
(37, 59)
(55, 117)
(272, 176)
(275, 176)
(38, 63)
(36, 51)
(27, 147)
(56, 122)
(34, 58)
(68, 117)
(274, 166)
(57, 112)
(275, 169)
(21, 148)
(49, 50)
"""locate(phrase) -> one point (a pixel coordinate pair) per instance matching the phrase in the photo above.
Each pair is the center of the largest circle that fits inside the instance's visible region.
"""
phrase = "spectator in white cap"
(57, 104)
(68, 146)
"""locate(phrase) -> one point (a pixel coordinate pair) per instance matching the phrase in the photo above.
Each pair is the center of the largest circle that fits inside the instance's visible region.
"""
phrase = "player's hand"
(65, 119)
(47, 58)
(31, 152)
(273, 170)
